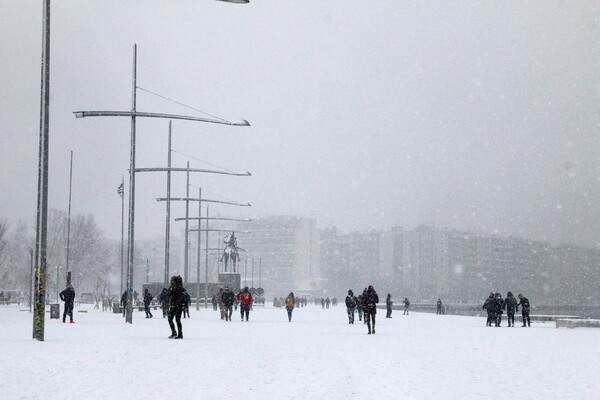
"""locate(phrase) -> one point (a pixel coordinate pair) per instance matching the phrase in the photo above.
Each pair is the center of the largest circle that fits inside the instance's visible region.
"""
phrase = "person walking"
(163, 297)
(327, 302)
(147, 299)
(245, 299)
(290, 303)
(510, 304)
(228, 299)
(214, 302)
(370, 307)
(359, 305)
(388, 306)
(176, 304)
(124, 302)
(524, 303)
(488, 306)
(406, 305)
(350, 306)
(220, 303)
(68, 296)
(439, 307)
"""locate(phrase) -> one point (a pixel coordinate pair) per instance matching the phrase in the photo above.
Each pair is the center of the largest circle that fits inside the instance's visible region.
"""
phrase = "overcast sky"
(474, 115)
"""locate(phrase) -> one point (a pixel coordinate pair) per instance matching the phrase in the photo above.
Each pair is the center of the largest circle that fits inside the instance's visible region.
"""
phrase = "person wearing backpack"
(359, 305)
(290, 303)
(524, 303)
(370, 301)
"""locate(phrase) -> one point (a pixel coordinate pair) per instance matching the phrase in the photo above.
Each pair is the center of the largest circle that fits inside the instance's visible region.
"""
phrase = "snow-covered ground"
(316, 356)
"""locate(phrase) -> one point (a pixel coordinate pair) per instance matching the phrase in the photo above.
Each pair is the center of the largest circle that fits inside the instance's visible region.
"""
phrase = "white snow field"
(316, 356)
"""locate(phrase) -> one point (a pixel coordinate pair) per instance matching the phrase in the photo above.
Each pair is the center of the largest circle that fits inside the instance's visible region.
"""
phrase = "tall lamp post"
(133, 114)
(41, 237)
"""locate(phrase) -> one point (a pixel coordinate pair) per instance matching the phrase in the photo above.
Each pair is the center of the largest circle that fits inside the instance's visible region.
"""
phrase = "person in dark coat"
(124, 302)
(186, 305)
(388, 306)
(370, 307)
(350, 306)
(68, 296)
(228, 298)
(322, 303)
(176, 304)
(359, 305)
(163, 297)
(488, 306)
(439, 307)
(524, 303)
(406, 305)
(245, 299)
(147, 299)
(499, 306)
(511, 305)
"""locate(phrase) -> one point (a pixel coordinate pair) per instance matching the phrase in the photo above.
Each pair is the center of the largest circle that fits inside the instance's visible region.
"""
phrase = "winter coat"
(124, 299)
(488, 305)
(177, 298)
(370, 301)
(147, 297)
(524, 302)
(245, 298)
(389, 302)
(350, 301)
(360, 301)
(510, 304)
(289, 303)
(163, 297)
(498, 304)
(228, 298)
(406, 303)
(68, 295)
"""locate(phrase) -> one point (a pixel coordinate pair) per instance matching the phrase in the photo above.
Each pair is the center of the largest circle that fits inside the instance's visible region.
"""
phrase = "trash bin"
(116, 308)
(54, 311)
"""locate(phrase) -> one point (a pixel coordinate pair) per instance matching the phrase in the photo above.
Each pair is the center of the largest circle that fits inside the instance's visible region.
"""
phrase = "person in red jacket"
(245, 299)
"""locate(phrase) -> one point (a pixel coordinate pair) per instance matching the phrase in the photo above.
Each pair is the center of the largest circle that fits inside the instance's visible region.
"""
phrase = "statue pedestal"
(231, 279)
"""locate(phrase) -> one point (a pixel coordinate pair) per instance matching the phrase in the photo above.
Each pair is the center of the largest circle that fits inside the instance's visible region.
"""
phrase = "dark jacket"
(488, 305)
(524, 302)
(68, 295)
(147, 298)
(350, 301)
(389, 302)
(163, 297)
(228, 297)
(510, 304)
(124, 299)
(361, 299)
(370, 301)
(177, 298)
(498, 304)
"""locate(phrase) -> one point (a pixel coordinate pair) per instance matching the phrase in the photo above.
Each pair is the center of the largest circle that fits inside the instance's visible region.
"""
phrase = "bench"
(9, 301)
(577, 323)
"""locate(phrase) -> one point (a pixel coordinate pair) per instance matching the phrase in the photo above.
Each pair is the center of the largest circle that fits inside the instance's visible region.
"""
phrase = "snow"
(316, 356)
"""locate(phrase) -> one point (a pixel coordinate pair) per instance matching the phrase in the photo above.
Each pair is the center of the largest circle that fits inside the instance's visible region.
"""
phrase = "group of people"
(365, 303)
(226, 300)
(495, 306)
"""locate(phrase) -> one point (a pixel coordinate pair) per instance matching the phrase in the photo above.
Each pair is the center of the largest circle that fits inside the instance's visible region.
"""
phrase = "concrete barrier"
(577, 323)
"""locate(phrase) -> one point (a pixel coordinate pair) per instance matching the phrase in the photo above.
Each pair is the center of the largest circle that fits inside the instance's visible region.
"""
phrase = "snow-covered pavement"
(316, 356)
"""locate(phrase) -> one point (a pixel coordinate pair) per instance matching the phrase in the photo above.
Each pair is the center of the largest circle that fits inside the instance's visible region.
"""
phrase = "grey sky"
(475, 115)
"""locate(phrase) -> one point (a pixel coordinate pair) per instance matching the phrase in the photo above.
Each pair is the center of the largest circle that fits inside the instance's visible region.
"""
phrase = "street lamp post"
(41, 238)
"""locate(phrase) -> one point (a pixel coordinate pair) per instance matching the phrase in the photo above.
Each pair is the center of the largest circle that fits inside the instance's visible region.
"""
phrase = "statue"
(231, 251)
